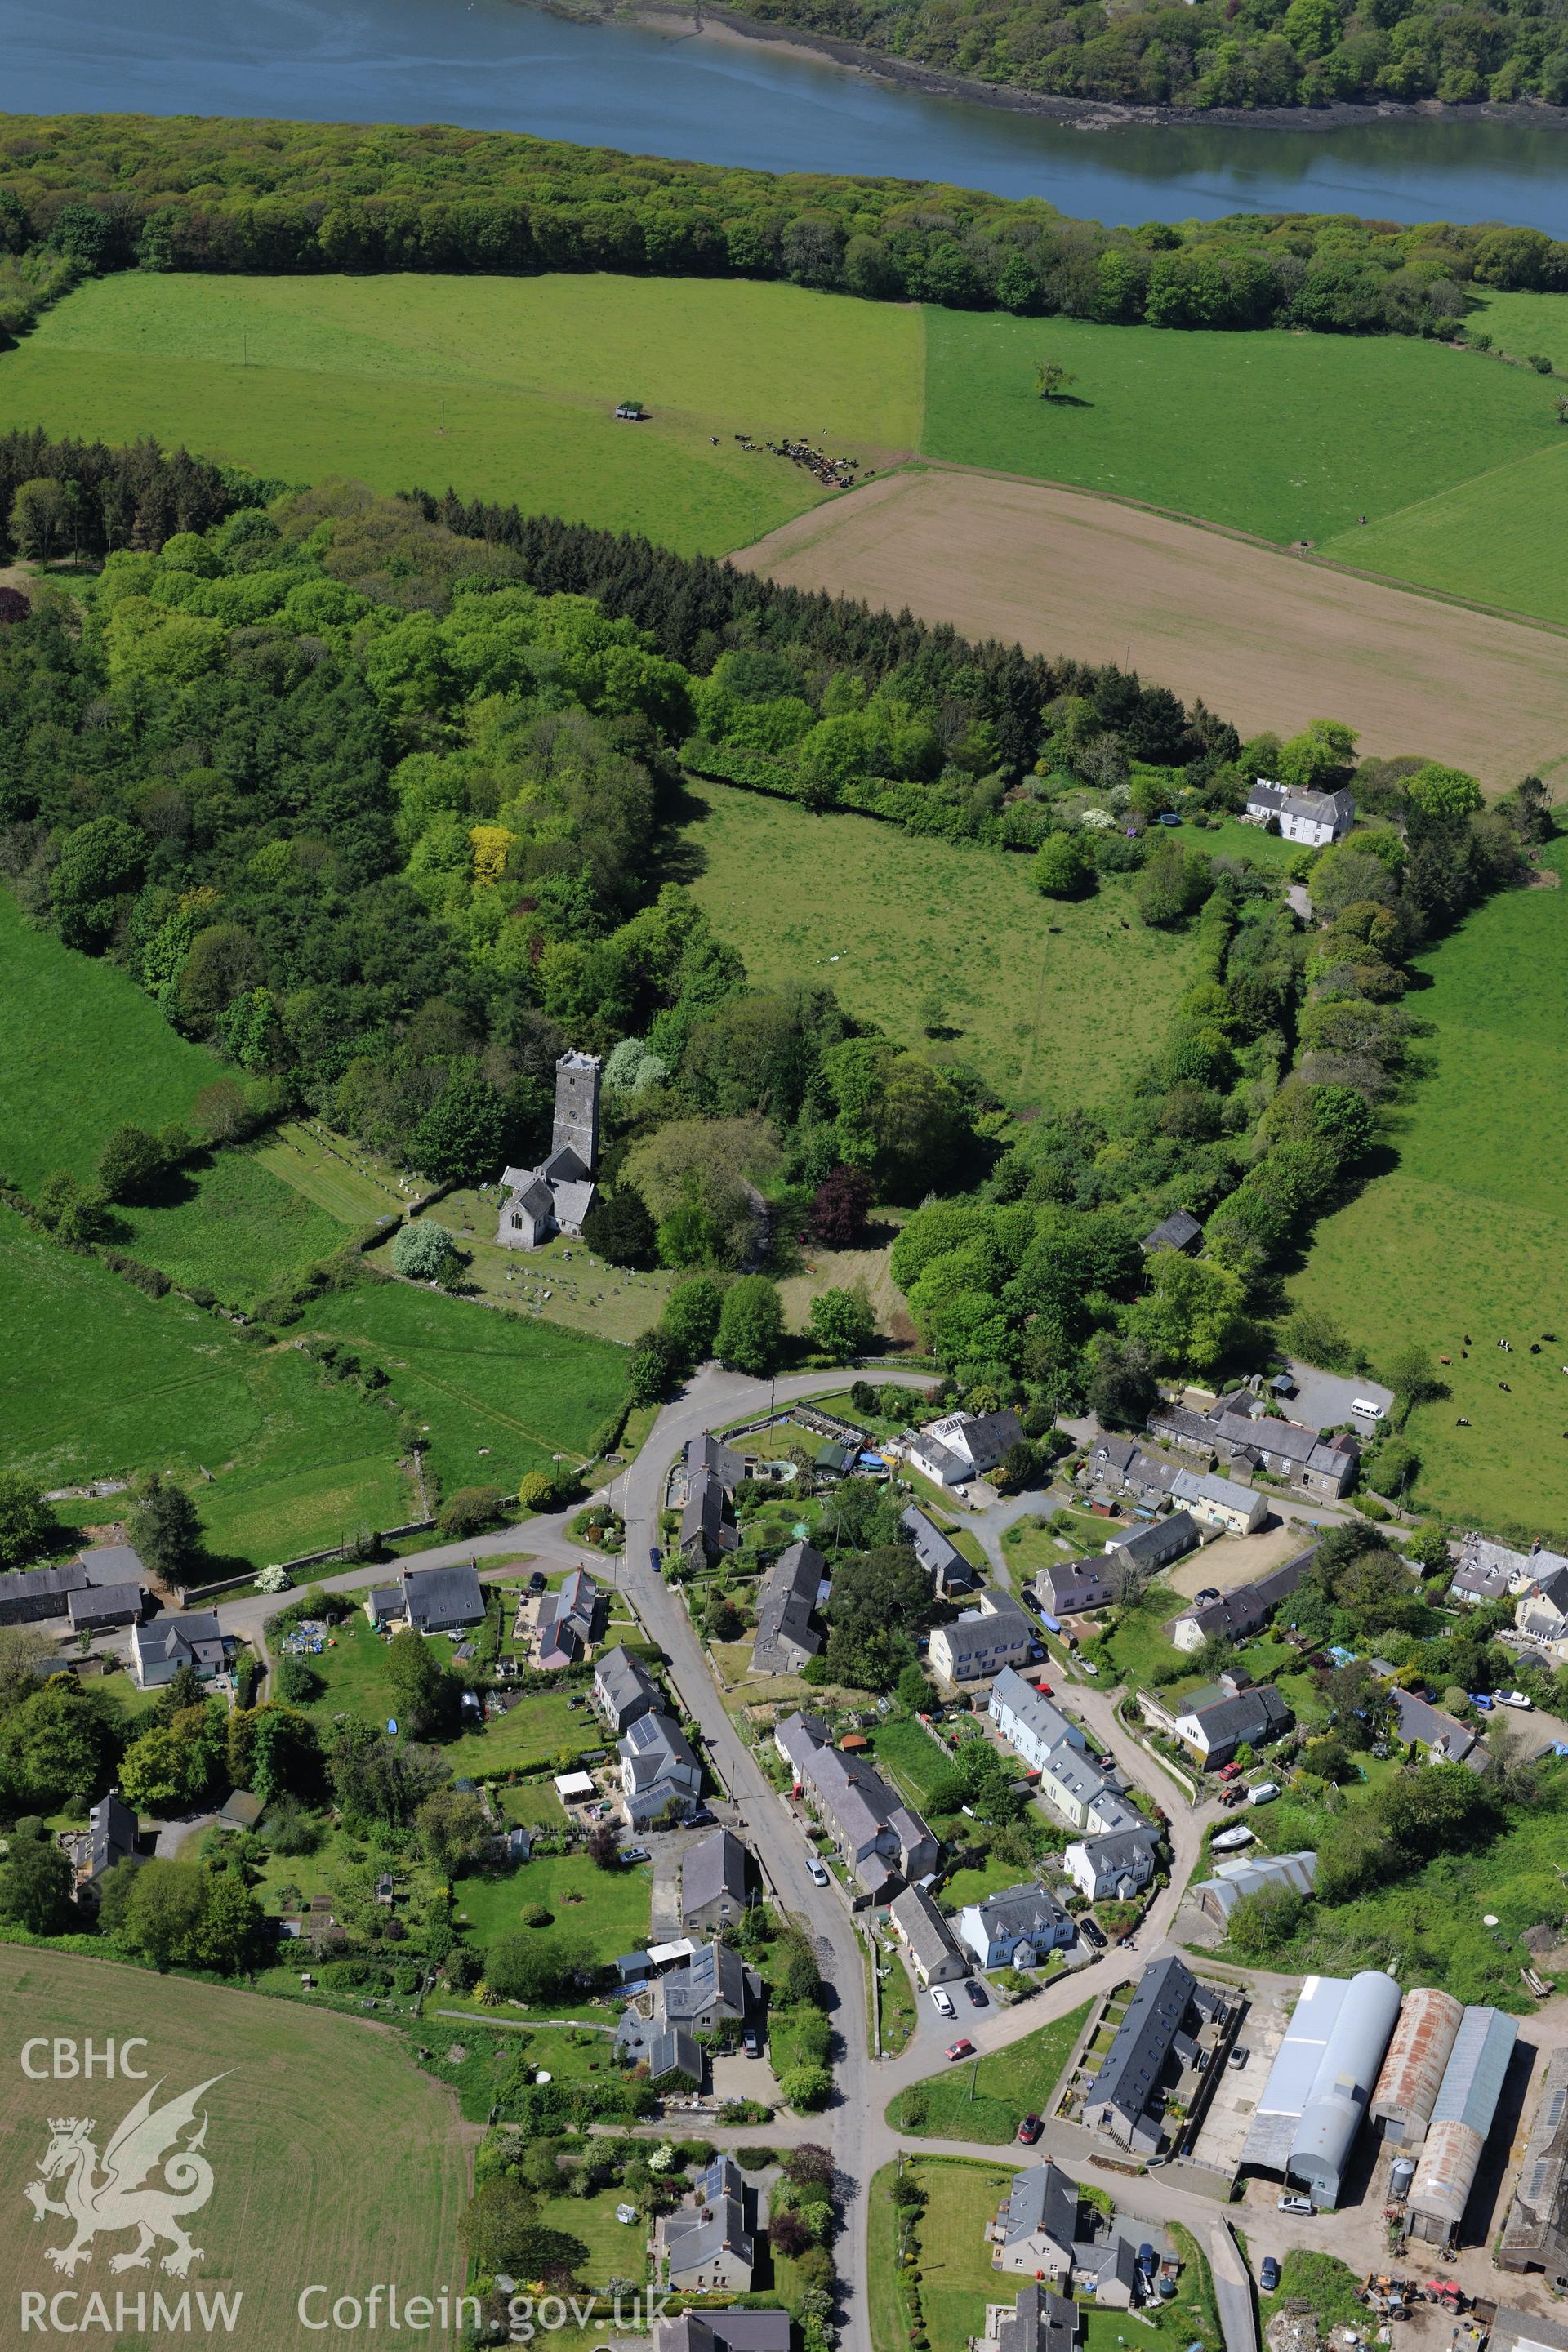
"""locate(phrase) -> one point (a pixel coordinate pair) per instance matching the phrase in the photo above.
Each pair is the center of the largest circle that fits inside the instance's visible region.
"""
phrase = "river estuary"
(497, 65)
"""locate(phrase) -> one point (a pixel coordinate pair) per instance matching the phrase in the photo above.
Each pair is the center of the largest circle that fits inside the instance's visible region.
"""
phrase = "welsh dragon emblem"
(112, 2192)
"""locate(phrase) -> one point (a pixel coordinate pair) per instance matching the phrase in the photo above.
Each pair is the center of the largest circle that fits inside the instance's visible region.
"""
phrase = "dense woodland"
(80, 195)
(1261, 53)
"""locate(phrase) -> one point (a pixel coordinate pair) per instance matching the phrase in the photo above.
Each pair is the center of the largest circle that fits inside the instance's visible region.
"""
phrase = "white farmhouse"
(1314, 818)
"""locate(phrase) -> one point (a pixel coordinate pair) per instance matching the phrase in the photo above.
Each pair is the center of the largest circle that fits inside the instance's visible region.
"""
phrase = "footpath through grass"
(504, 387)
(1054, 1002)
(1469, 1231)
(987, 2099)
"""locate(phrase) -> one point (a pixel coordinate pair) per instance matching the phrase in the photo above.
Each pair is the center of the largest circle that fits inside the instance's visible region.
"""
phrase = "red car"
(1228, 1771)
(1029, 2130)
(1044, 1687)
(961, 2049)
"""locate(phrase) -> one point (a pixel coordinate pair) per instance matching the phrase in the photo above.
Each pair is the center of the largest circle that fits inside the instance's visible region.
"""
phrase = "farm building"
(1239, 1614)
(1321, 2083)
(1314, 818)
(1462, 2116)
(927, 1937)
(1535, 2235)
(994, 1635)
(1413, 2070)
(1216, 1502)
(1247, 1874)
(786, 1637)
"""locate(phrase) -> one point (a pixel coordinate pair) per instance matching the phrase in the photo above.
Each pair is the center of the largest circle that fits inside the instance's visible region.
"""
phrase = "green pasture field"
(1493, 538)
(503, 387)
(233, 1227)
(605, 1909)
(1469, 1232)
(82, 1051)
(522, 1391)
(100, 1380)
(1522, 324)
(1008, 2085)
(303, 2107)
(1054, 1002)
(1289, 436)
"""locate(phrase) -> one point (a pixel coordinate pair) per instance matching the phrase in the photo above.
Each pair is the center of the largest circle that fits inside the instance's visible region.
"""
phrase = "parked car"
(942, 1999)
(635, 1854)
(751, 2043)
(1092, 1933)
(1287, 2203)
(1263, 1793)
(1029, 2130)
(978, 1996)
(1036, 1653)
(1483, 1700)
(537, 1582)
(656, 1560)
(1146, 2262)
(1043, 1686)
(1268, 2276)
(1228, 1771)
(818, 1876)
(1239, 2055)
(1514, 1698)
(701, 1818)
(1210, 1592)
(961, 2049)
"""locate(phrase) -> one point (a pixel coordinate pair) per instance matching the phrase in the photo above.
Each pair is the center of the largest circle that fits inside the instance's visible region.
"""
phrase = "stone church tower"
(576, 1124)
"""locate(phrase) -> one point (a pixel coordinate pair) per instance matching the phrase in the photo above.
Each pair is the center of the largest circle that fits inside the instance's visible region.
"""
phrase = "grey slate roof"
(443, 1596)
(625, 1686)
(1022, 1912)
(1120, 1849)
(1066, 1586)
(104, 1603)
(978, 1631)
(711, 1985)
(936, 1553)
(1042, 2202)
(785, 1631)
(113, 1564)
(714, 1868)
(189, 1640)
(709, 1452)
(702, 1520)
(1179, 1231)
(1158, 1544)
(1419, 1720)
(1039, 2321)
(1247, 1606)
(730, 2331)
(930, 1938)
(1252, 1715)
(1137, 2056)
(657, 1748)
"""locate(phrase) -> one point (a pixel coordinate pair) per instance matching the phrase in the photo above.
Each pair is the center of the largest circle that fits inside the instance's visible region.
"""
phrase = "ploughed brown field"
(1264, 638)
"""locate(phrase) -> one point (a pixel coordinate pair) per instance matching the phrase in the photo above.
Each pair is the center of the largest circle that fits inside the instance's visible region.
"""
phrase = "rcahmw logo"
(151, 2179)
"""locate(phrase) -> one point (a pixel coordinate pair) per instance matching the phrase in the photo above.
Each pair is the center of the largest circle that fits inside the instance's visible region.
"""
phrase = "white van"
(1263, 1793)
(1367, 1410)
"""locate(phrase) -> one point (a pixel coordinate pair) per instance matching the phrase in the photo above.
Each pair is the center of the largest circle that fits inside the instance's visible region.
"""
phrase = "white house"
(1118, 1866)
(158, 1650)
(1017, 1929)
(962, 1445)
(1028, 1721)
(927, 1937)
(1315, 818)
(983, 1641)
(1219, 1502)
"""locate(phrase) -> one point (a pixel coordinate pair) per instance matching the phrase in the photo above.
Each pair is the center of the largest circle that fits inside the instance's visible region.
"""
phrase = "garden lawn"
(82, 1050)
(520, 1390)
(913, 1758)
(1054, 1002)
(1288, 435)
(1008, 2085)
(504, 387)
(100, 1380)
(1469, 1232)
(353, 1672)
(611, 1918)
(957, 2279)
(1140, 1646)
(538, 1728)
(615, 2248)
(234, 1229)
